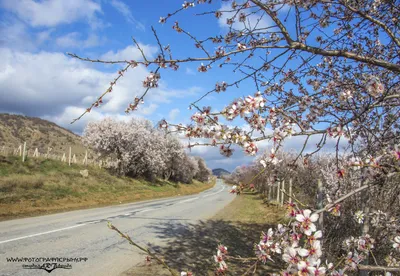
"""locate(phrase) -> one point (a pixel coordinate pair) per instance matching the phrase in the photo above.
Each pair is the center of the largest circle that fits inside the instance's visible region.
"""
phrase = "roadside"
(40, 186)
(237, 226)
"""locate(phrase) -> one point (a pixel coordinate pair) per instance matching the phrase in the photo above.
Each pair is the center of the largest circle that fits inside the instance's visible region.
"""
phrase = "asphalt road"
(84, 234)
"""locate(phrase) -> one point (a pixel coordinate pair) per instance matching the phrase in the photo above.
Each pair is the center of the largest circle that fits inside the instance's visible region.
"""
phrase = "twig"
(146, 250)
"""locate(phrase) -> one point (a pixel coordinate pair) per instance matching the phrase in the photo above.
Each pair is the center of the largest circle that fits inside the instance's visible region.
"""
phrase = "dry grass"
(41, 186)
(191, 246)
(38, 133)
(250, 208)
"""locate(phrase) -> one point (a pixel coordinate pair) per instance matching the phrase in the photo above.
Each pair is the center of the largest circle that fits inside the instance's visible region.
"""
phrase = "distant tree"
(188, 169)
(138, 148)
(143, 151)
(204, 172)
(175, 156)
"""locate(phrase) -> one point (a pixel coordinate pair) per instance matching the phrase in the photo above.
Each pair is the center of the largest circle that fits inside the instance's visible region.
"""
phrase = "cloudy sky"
(38, 79)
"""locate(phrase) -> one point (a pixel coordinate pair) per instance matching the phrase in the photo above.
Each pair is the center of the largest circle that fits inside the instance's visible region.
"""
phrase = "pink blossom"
(306, 220)
(290, 255)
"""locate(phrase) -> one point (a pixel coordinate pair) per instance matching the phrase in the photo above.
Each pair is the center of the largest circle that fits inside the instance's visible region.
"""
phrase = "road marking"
(145, 210)
(188, 200)
(43, 233)
(94, 222)
(82, 224)
(223, 188)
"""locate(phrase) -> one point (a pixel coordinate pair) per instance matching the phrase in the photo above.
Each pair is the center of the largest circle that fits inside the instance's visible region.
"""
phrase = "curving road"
(84, 234)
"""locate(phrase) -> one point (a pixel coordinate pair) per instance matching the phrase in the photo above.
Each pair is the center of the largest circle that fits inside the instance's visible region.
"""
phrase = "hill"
(42, 186)
(38, 133)
(220, 172)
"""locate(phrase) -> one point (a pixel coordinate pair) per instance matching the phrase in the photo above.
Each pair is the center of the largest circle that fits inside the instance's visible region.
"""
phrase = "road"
(84, 234)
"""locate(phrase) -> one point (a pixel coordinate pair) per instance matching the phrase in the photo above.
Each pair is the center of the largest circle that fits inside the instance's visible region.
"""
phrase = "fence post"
(85, 160)
(23, 152)
(290, 190)
(277, 191)
(320, 203)
(283, 192)
(269, 192)
(69, 157)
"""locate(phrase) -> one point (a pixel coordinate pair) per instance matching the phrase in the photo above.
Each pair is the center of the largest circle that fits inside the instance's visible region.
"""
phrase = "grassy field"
(238, 226)
(40, 186)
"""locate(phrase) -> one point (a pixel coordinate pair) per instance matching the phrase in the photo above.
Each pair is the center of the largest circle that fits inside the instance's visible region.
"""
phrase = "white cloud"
(15, 35)
(126, 12)
(173, 114)
(73, 40)
(252, 20)
(57, 86)
(52, 13)
(130, 53)
(44, 36)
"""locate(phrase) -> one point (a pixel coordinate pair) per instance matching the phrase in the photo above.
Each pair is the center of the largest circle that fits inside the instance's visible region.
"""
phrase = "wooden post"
(283, 192)
(290, 190)
(320, 203)
(23, 152)
(277, 191)
(69, 157)
(366, 210)
(85, 160)
(269, 192)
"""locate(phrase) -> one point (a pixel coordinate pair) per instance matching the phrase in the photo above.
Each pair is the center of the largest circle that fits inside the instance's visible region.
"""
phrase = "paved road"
(84, 233)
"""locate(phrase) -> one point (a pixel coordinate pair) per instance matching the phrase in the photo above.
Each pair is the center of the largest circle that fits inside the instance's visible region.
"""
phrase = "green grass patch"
(40, 186)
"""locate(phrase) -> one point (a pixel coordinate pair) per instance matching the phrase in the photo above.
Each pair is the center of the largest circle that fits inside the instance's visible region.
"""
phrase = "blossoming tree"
(312, 67)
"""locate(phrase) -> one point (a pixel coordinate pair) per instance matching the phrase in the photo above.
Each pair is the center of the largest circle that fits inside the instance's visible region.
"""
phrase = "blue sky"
(38, 79)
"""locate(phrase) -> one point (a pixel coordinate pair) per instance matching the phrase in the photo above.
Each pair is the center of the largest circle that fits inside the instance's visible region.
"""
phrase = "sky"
(38, 78)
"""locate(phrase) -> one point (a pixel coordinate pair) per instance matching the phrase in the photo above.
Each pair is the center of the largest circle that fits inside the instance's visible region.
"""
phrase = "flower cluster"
(271, 159)
(244, 106)
(222, 252)
(186, 5)
(151, 80)
(226, 151)
(358, 250)
(221, 87)
(133, 106)
(374, 87)
(298, 244)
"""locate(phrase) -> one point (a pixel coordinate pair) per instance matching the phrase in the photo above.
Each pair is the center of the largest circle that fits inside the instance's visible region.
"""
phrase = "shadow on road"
(192, 246)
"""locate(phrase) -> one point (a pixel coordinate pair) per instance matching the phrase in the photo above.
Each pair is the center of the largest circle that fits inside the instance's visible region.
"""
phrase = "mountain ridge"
(220, 172)
(38, 133)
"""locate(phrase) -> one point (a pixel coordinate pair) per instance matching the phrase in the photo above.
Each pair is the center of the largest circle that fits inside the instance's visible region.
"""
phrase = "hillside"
(42, 186)
(37, 133)
(220, 172)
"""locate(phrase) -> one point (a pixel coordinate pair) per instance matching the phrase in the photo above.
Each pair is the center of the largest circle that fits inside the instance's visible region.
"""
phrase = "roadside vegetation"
(41, 186)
